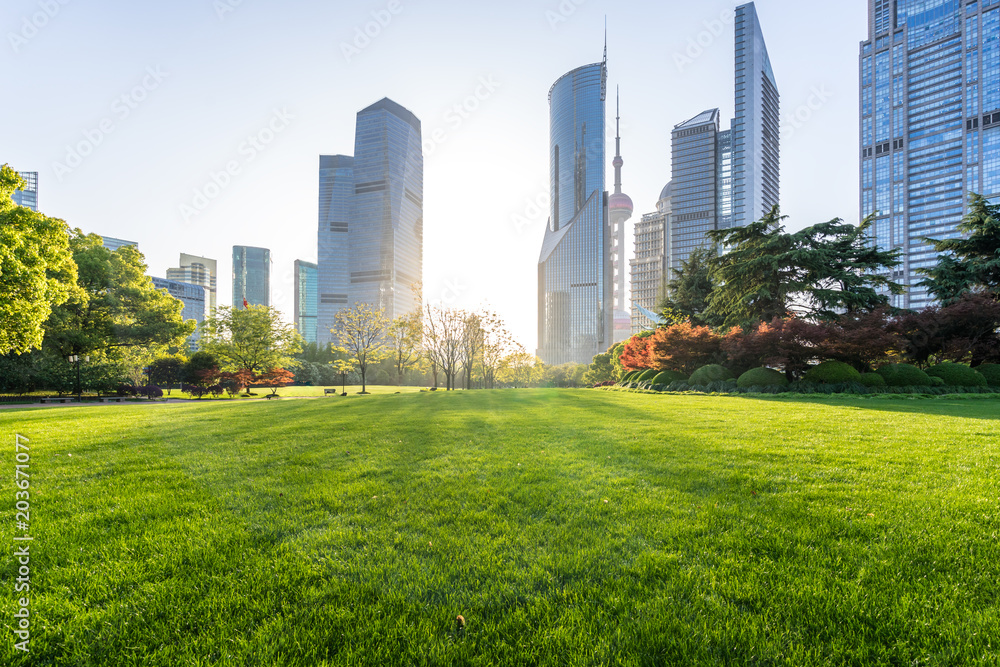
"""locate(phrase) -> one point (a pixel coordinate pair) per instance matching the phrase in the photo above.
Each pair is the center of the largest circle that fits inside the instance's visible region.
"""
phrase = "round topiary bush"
(873, 380)
(904, 375)
(762, 377)
(706, 375)
(645, 376)
(832, 372)
(669, 377)
(628, 377)
(957, 375)
(991, 372)
(938, 382)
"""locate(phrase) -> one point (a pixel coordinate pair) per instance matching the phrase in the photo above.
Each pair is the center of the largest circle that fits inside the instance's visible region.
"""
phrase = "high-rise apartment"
(306, 299)
(195, 300)
(371, 218)
(28, 197)
(649, 267)
(930, 123)
(198, 271)
(728, 178)
(575, 277)
(251, 276)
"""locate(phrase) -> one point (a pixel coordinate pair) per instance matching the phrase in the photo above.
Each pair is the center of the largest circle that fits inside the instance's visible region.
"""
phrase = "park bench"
(112, 399)
(270, 396)
(331, 392)
(57, 400)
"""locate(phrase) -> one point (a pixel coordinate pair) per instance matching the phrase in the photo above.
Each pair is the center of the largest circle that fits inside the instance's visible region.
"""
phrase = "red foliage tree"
(685, 348)
(635, 357)
(865, 341)
(205, 380)
(790, 344)
(964, 332)
(237, 382)
(275, 379)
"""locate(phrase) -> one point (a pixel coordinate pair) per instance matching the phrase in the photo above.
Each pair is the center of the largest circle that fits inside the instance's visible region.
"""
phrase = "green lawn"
(567, 527)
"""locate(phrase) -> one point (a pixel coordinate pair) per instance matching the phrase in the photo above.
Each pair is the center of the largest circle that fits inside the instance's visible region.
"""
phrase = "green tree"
(970, 263)
(37, 272)
(360, 333)
(687, 295)
(116, 305)
(254, 339)
(404, 340)
(166, 371)
(601, 369)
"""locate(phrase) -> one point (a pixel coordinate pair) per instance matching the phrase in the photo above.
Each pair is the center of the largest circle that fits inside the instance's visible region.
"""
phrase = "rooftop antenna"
(605, 39)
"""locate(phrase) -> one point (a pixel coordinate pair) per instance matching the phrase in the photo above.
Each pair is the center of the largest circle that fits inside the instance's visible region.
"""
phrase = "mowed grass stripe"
(353, 531)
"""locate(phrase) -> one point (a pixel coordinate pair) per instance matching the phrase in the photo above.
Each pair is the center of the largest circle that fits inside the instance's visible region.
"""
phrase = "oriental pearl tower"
(620, 209)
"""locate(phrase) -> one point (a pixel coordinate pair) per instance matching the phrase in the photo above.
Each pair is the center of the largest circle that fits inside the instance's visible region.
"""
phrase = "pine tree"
(970, 263)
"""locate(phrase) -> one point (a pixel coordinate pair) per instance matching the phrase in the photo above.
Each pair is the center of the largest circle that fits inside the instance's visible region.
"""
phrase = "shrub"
(762, 377)
(938, 382)
(645, 376)
(904, 375)
(669, 377)
(991, 372)
(872, 380)
(832, 372)
(957, 375)
(706, 375)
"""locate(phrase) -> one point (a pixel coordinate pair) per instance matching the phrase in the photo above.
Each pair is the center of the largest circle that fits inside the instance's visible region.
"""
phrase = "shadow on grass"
(969, 406)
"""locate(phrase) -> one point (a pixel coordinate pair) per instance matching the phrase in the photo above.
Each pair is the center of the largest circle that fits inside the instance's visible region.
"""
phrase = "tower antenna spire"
(605, 39)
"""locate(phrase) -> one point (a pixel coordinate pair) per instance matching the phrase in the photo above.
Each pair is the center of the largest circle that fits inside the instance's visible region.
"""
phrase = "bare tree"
(360, 333)
(473, 337)
(443, 329)
(497, 344)
(404, 336)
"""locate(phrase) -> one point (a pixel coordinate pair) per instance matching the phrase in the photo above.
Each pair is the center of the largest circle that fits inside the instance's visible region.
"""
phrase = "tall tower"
(251, 276)
(199, 271)
(575, 278)
(620, 209)
(371, 218)
(930, 124)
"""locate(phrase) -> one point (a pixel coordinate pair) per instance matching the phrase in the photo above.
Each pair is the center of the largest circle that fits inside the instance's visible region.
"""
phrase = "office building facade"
(200, 271)
(649, 267)
(371, 218)
(930, 124)
(114, 244)
(251, 276)
(28, 197)
(575, 277)
(306, 299)
(195, 300)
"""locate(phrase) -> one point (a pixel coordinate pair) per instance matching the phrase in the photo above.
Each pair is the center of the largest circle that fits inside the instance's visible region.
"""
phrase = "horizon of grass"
(567, 527)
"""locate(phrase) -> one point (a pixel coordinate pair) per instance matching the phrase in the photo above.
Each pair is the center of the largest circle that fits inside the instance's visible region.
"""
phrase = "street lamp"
(75, 359)
(343, 377)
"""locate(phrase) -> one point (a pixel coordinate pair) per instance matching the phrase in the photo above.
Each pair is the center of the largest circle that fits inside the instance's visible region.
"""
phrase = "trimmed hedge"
(669, 377)
(645, 376)
(872, 381)
(957, 375)
(904, 375)
(706, 375)
(938, 382)
(833, 372)
(762, 377)
(991, 372)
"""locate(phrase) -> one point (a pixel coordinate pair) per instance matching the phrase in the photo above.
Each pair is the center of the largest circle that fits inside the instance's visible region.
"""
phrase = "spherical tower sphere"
(620, 207)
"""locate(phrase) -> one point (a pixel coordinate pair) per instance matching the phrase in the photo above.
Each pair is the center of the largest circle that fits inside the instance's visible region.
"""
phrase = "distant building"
(198, 271)
(575, 276)
(371, 218)
(195, 300)
(28, 197)
(113, 244)
(649, 267)
(251, 276)
(306, 299)
(930, 125)
(728, 178)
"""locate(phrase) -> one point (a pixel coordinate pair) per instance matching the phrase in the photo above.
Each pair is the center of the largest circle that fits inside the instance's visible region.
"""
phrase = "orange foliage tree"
(685, 348)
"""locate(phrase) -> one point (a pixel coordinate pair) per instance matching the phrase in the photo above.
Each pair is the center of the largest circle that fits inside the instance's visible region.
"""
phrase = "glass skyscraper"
(251, 276)
(113, 244)
(199, 271)
(195, 300)
(728, 178)
(371, 218)
(575, 286)
(306, 299)
(28, 197)
(930, 123)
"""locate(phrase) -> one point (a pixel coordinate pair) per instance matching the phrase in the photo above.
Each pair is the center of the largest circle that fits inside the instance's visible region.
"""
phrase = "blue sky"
(130, 110)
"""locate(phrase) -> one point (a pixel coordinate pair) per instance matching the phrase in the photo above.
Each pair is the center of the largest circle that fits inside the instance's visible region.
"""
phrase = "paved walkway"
(172, 401)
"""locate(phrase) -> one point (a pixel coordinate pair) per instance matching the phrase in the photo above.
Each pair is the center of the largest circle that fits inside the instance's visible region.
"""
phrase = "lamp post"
(343, 377)
(75, 359)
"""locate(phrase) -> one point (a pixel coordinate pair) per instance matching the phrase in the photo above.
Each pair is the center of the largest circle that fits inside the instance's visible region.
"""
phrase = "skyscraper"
(113, 244)
(371, 218)
(251, 276)
(620, 209)
(728, 178)
(930, 124)
(306, 299)
(28, 197)
(195, 300)
(649, 268)
(575, 278)
(198, 271)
